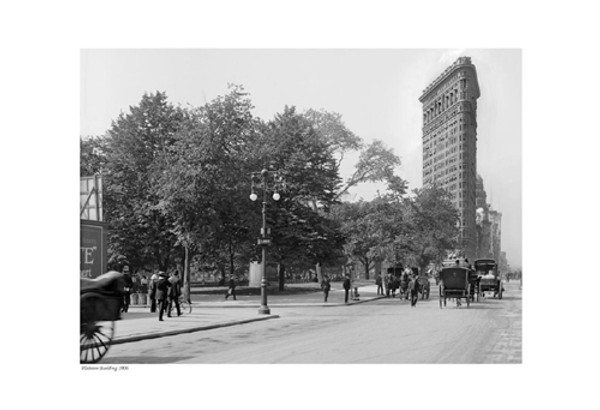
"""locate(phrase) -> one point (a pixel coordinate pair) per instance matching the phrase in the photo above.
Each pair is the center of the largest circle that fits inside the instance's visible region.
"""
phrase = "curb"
(282, 305)
(187, 330)
(354, 302)
(217, 305)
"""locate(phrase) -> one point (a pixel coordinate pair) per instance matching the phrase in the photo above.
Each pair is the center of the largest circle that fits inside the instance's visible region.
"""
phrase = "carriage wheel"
(468, 301)
(500, 291)
(95, 338)
(441, 297)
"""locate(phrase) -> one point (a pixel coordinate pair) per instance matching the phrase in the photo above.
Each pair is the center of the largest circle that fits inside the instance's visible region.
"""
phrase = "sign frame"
(93, 232)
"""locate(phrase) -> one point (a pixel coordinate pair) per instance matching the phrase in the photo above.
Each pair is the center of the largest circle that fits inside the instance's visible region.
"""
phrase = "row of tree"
(176, 183)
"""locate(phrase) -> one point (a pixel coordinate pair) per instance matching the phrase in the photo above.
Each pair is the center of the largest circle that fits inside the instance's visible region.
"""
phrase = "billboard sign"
(93, 256)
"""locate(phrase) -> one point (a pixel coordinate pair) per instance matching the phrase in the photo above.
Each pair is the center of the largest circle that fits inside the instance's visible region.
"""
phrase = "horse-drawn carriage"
(489, 278)
(394, 282)
(100, 305)
(474, 289)
(455, 283)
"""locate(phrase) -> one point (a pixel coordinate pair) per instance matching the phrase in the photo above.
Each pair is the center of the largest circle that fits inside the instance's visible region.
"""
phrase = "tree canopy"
(178, 179)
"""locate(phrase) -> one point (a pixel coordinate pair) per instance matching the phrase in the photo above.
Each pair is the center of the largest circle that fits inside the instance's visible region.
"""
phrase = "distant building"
(503, 263)
(495, 233)
(480, 195)
(450, 143)
(482, 222)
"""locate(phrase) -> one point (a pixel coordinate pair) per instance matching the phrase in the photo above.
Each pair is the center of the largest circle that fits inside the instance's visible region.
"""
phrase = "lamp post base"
(264, 310)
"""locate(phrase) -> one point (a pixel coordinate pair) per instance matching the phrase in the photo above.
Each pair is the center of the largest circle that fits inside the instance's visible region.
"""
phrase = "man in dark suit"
(413, 290)
(127, 289)
(174, 293)
(231, 289)
(326, 286)
(162, 292)
(346, 287)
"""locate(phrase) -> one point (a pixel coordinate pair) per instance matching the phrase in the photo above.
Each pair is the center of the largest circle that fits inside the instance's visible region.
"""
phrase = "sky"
(375, 90)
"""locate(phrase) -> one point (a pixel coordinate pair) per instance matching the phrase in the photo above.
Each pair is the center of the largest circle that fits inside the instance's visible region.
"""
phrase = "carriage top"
(486, 267)
(451, 263)
(455, 277)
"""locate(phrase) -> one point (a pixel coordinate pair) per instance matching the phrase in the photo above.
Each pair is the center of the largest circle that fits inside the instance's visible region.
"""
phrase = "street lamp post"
(266, 180)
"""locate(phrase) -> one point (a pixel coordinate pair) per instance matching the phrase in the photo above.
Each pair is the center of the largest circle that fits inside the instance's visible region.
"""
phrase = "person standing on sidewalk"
(127, 288)
(143, 290)
(152, 292)
(391, 284)
(413, 290)
(326, 286)
(231, 290)
(174, 293)
(346, 287)
(379, 283)
(162, 290)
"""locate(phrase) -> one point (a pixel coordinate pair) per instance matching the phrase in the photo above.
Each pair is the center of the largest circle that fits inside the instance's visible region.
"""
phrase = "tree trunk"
(377, 268)
(231, 260)
(281, 269)
(159, 261)
(367, 268)
(223, 273)
(186, 272)
(318, 272)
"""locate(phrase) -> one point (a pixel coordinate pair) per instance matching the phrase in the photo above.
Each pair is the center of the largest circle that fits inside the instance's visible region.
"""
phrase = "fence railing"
(244, 282)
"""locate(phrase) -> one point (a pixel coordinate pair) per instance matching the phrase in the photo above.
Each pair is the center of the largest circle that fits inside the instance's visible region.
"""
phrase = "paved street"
(381, 331)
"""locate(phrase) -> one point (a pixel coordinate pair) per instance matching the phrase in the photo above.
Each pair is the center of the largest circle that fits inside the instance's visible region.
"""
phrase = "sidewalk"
(140, 324)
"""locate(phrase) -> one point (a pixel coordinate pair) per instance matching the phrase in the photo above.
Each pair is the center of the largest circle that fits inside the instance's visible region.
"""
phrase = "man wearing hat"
(152, 291)
(162, 291)
(127, 289)
(174, 293)
(413, 289)
(346, 286)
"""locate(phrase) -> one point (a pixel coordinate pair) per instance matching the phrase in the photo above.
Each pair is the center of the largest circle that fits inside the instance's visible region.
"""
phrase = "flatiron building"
(450, 143)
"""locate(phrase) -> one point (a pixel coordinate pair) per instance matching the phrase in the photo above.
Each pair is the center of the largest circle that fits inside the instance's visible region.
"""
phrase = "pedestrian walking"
(152, 291)
(346, 285)
(174, 293)
(413, 290)
(326, 286)
(391, 285)
(231, 289)
(144, 289)
(162, 292)
(379, 283)
(128, 285)
(385, 281)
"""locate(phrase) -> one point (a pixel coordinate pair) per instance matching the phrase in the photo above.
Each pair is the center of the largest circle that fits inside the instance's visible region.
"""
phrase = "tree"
(334, 132)
(373, 230)
(433, 229)
(376, 162)
(204, 182)
(92, 156)
(304, 235)
(136, 145)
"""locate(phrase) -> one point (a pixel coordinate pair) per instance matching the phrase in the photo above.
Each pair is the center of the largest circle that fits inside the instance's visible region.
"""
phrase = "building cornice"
(461, 62)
